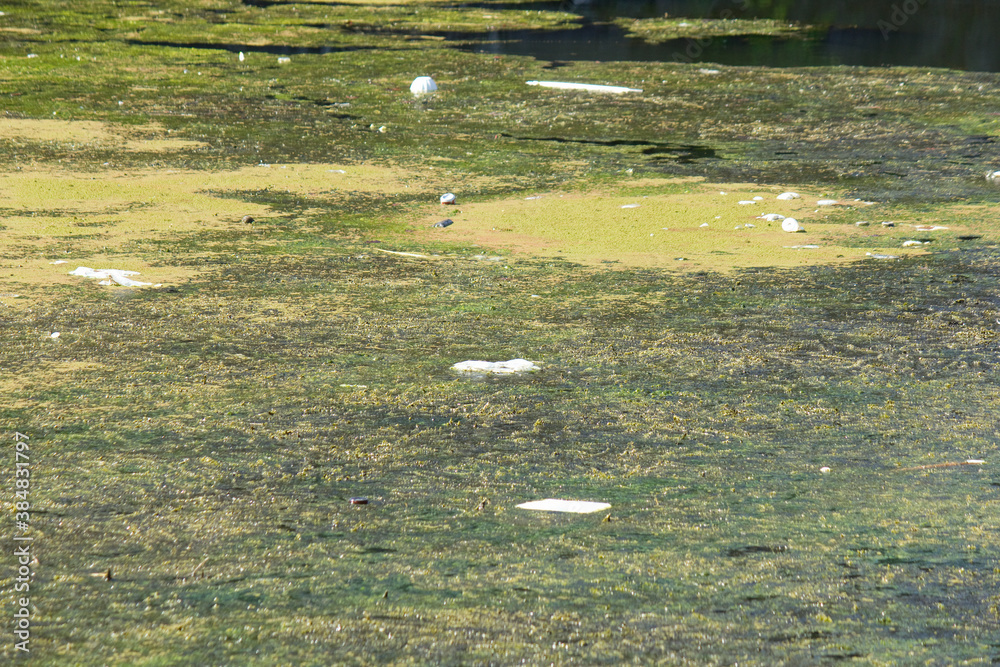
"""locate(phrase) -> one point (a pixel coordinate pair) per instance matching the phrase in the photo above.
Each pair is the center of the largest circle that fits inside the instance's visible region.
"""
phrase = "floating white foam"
(557, 505)
(590, 87)
(498, 367)
(788, 195)
(826, 202)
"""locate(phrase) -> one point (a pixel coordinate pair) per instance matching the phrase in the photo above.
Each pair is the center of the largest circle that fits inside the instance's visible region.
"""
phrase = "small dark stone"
(246, 219)
(444, 223)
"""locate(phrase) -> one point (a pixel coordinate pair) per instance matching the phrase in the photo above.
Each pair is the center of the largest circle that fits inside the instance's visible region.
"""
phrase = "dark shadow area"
(272, 49)
(683, 153)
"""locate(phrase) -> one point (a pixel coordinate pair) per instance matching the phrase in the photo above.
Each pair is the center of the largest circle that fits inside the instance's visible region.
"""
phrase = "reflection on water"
(956, 35)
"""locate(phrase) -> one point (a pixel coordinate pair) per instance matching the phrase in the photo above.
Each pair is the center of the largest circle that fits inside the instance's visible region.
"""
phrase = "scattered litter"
(907, 244)
(54, 334)
(826, 202)
(749, 226)
(879, 255)
(247, 219)
(929, 228)
(423, 84)
(335, 171)
(722, 193)
(59, 261)
(968, 462)
(107, 275)
(9, 295)
(888, 223)
(401, 254)
(531, 198)
(557, 505)
(590, 87)
(704, 224)
(630, 206)
(824, 469)
(708, 71)
(758, 198)
(284, 60)
(862, 223)
(536, 296)
(498, 367)
(993, 175)
(448, 198)
(771, 217)
(744, 202)
(359, 501)
(444, 223)
(802, 247)
(791, 225)
(488, 258)
(242, 57)
(355, 386)
(788, 195)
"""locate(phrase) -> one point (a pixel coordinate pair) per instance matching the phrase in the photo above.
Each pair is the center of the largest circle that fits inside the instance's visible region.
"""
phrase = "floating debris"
(59, 261)
(771, 217)
(993, 176)
(744, 202)
(284, 60)
(707, 71)
(247, 219)
(826, 202)
(496, 367)
(929, 228)
(862, 223)
(559, 505)
(422, 85)
(54, 334)
(532, 198)
(242, 57)
(791, 225)
(589, 87)
(630, 206)
(824, 469)
(704, 224)
(802, 247)
(444, 223)
(109, 276)
(879, 255)
(907, 244)
(888, 223)
(448, 198)
(358, 501)
(758, 198)
(788, 195)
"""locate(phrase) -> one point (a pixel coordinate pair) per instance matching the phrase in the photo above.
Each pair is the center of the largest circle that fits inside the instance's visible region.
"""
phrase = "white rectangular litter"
(589, 87)
(557, 505)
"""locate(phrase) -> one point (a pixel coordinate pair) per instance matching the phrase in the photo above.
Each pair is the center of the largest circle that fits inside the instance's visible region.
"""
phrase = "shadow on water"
(272, 49)
(914, 34)
(682, 153)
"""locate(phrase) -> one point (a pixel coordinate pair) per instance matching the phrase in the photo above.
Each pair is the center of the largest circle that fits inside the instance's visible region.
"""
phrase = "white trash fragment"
(929, 228)
(704, 224)
(791, 225)
(242, 57)
(878, 255)
(788, 195)
(993, 176)
(532, 198)
(448, 198)
(336, 171)
(707, 71)
(284, 60)
(497, 367)
(758, 198)
(907, 244)
(802, 247)
(888, 223)
(59, 261)
(558, 505)
(54, 334)
(862, 223)
(423, 84)
(749, 226)
(109, 276)
(744, 202)
(630, 206)
(771, 217)
(826, 202)
(824, 469)
(589, 87)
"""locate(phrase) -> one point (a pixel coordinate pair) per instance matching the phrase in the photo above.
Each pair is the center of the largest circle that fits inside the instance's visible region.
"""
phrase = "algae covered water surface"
(798, 444)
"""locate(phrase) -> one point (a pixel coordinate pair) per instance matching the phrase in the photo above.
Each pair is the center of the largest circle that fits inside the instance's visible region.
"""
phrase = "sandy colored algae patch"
(692, 226)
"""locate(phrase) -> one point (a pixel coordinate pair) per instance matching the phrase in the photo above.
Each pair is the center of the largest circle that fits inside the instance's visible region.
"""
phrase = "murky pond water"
(914, 33)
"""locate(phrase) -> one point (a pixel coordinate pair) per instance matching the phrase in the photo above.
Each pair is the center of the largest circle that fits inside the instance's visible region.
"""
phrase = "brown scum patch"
(664, 230)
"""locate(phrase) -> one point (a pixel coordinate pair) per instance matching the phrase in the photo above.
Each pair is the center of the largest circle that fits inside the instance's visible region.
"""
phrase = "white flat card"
(556, 505)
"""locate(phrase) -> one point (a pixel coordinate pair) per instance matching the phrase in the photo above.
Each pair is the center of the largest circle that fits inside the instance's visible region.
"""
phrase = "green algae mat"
(262, 455)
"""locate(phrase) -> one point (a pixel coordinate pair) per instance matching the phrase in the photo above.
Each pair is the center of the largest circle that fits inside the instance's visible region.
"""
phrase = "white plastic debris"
(448, 198)
(888, 223)
(284, 60)
(862, 223)
(54, 334)
(109, 276)
(993, 176)
(630, 206)
(788, 195)
(589, 87)
(826, 202)
(744, 202)
(771, 217)
(704, 224)
(496, 367)
(824, 469)
(929, 228)
(59, 261)
(242, 57)
(758, 198)
(907, 244)
(802, 247)
(791, 225)
(879, 255)
(559, 505)
(423, 84)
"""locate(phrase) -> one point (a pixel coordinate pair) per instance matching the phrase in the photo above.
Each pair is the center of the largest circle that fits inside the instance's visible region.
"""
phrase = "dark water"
(960, 34)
